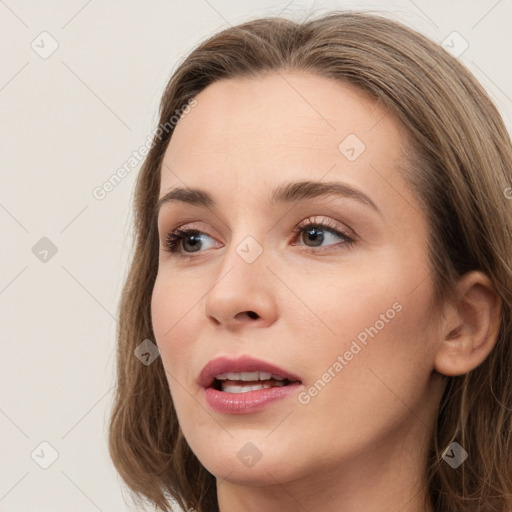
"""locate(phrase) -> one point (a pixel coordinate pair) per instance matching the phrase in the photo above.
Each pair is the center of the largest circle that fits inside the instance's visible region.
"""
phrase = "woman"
(323, 261)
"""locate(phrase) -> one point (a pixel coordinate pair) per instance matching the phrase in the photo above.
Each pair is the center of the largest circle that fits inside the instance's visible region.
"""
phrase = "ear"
(470, 327)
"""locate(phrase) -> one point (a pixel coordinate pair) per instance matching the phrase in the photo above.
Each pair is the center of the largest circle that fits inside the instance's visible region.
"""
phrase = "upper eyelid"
(312, 219)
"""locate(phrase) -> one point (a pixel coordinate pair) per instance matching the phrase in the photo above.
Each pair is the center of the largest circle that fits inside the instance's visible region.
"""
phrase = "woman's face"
(340, 305)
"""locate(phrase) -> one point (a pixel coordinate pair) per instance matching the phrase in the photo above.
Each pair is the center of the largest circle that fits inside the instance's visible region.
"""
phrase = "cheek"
(379, 360)
(174, 316)
(375, 318)
(345, 306)
(173, 308)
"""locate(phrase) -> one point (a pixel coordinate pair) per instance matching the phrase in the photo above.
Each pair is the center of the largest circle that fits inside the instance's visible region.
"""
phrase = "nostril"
(252, 314)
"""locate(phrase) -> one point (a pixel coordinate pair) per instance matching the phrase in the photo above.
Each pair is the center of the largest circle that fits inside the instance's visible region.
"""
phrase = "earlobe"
(470, 327)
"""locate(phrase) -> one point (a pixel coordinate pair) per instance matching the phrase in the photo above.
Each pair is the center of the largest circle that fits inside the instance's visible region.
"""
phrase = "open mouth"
(244, 382)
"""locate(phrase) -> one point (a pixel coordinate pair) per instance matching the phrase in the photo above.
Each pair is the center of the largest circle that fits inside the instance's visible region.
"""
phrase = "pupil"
(316, 235)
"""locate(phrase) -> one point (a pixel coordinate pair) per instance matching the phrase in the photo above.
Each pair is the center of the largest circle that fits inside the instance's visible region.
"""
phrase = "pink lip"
(244, 403)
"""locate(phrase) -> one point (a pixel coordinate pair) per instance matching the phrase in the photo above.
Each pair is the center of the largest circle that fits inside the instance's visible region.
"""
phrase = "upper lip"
(239, 364)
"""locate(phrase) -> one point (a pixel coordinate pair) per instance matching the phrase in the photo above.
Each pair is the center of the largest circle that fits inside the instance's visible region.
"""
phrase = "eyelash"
(174, 238)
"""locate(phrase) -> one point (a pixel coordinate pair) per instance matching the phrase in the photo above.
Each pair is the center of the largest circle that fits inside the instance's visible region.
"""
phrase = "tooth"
(249, 376)
(239, 388)
(255, 387)
(231, 388)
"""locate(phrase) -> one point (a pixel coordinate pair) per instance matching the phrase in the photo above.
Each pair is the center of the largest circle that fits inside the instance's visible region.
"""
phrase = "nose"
(242, 292)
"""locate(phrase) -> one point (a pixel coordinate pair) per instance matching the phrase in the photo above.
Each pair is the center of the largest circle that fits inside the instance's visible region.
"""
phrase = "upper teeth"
(248, 376)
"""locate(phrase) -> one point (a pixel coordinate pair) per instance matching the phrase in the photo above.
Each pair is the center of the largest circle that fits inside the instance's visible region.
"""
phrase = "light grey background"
(67, 123)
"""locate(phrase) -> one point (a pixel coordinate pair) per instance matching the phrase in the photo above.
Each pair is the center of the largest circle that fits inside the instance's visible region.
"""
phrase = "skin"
(360, 443)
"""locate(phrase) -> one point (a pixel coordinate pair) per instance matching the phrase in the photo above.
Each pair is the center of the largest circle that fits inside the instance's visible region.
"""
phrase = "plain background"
(67, 123)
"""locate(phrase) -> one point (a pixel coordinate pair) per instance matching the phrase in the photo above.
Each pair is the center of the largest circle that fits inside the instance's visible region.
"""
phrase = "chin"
(262, 474)
(248, 458)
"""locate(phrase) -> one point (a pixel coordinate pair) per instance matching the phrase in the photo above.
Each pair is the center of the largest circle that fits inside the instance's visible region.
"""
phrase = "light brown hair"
(460, 165)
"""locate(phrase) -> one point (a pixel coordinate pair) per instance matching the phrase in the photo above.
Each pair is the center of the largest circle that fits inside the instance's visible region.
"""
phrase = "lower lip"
(245, 403)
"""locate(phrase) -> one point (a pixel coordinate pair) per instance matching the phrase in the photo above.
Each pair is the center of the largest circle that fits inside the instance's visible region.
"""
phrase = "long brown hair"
(460, 169)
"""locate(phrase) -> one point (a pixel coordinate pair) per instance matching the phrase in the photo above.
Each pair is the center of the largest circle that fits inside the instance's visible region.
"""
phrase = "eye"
(314, 232)
(191, 238)
(182, 242)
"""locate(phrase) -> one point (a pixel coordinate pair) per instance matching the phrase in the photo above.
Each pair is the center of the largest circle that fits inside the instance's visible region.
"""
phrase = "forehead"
(292, 108)
(246, 136)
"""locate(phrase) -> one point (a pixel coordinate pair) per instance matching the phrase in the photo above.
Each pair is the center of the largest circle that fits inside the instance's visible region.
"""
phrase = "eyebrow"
(290, 192)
